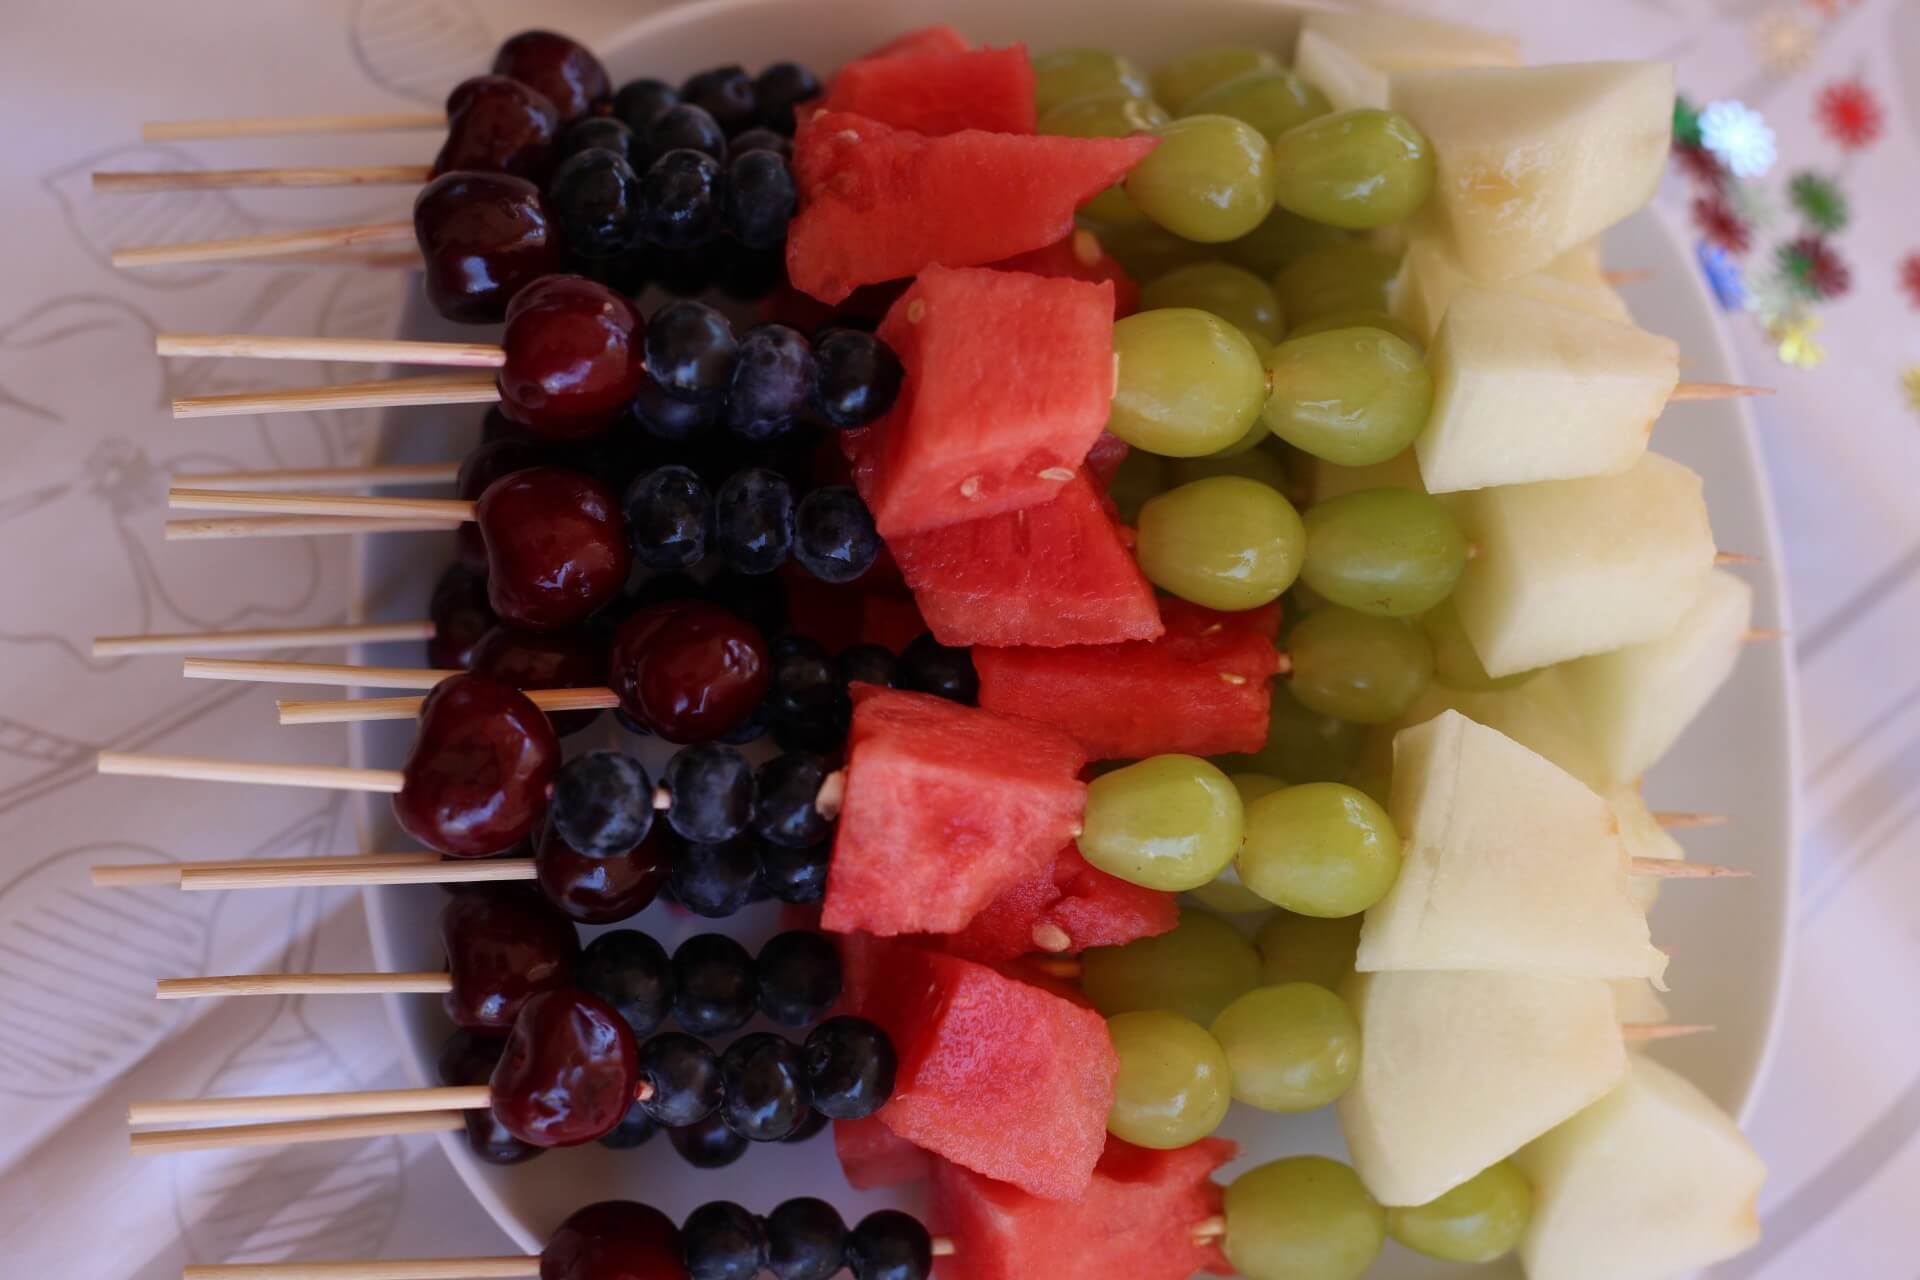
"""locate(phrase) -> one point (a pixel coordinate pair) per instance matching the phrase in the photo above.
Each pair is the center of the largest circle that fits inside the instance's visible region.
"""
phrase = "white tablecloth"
(89, 445)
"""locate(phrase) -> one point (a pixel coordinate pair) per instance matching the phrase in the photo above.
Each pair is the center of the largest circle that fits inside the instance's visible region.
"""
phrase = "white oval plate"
(1729, 937)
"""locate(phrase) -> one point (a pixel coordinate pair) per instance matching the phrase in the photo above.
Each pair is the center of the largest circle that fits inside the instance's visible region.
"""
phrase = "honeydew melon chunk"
(1525, 390)
(1651, 1182)
(1508, 864)
(1635, 1000)
(1463, 1069)
(1531, 161)
(1348, 80)
(1570, 568)
(1636, 701)
(1397, 41)
(1644, 837)
(1429, 276)
(1579, 265)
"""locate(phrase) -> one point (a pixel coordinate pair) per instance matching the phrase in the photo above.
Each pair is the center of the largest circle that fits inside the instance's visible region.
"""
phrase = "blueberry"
(760, 199)
(602, 803)
(680, 194)
(708, 1144)
(810, 1124)
(786, 812)
(726, 94)
(712, 790)
(764, 1087)
(797, 976)
(850, 1068)
(859, 377)
(713, 985)
(631, 972)
(753, 520)
(723, 1241)
(691, 351)
(595, 198)
(798, 876)
(806, 1240)
(662, 417)
(889, 1245)
(805, 682)
(640, 101)
(779, 89)
(771, 383)
(715, 880)
(684, 127)
(761, 140)
(685, 1077)
(928, 666)
(606, 132)
(669, 518)
(634, 1129)
(833, 534)
(867, 664)
(751, 729)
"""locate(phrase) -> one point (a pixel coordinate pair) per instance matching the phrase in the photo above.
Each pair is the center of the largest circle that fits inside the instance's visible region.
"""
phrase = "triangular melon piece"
(1579, 265)
(1651, 1182)
(1463, 1069)
(1570, 568)
(1636, 701)
(1635, 1001)
(1430, 275)
(1526, 390)
(1530, 161)
(1348, 80)
(1397, 41)
(1644, 836)
(1507, 864)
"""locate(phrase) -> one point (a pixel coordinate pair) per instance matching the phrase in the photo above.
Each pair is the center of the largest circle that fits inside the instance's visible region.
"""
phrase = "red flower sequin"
(1721, 225)
(1910, 278)
(1850, 114)
(1701, 165)
(1815, 267)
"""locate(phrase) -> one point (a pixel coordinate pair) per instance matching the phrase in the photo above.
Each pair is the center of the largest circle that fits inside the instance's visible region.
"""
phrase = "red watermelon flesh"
(994, 1074)
(1071, 899)
(1009, 379)
(1080, 257)
(938, 38)
(890, 621)
(1136, 1220)
(1055, 574)
(1204, 688)
(939, 92)
(872, 1155)
(878, 203)
(945, 807)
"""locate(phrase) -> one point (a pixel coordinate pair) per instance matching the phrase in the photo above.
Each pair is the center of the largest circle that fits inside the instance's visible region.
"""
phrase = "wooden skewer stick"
(220, 527)
(333, 674)
(131, 875)
(381, 394)
(1715, 391)
(1754, 635)
(520, 1268)
(325, 777)
(321, 478)
(252, 346)
(296, 1106)
(358, 175)
(452, 510)
(289, 1132)
(356, 710)
(1734, 557)
(275, 126)
(1675, 869)
(278, 245)
(302, 984)
(1642, 1032)
(1673, 821)
(275, 638)
(298, 875)
(1630, 275)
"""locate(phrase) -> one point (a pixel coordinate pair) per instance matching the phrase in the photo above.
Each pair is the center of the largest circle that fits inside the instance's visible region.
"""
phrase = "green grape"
(1146, 251)
(1225, 892)
(1302, 1218)
(1455, 664)
(1280, 241)
(1225, 542)
(1111, 114)
(1319, 949)
(1140, 476)
(1355, 169)
(1174, 1085)
(1478, 1221)
(1394, 552)
(1210, 179)
(1253, 464)
(1197, 969)
(1292, 1047)
(1302, 745)
(1189, 383)
(1319, 849)
(1062, 75)
(1170, 823)
(1235, 294)
(1179, 81)
(1351, 396)
(1349, 276)
(1256, 433)
(1375, 786)
(1357, 666)
(1272, 101)
(1362, 320)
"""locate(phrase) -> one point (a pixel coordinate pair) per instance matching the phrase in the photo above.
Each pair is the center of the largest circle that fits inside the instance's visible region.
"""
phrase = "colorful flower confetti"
(1738, 135)
(1774, 300)
(1720, 225)
(1701, 165)
(1831, 8)
(1910, 278)
(1783, 41)
(1850, 114)
(1795, 343)
(1752, 204)
(1820, 201)
(1686, 122)
(1723, 276)
(1814, 268)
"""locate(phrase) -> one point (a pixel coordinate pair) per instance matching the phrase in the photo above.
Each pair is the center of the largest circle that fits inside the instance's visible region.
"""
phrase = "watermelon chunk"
(1204, 688)
(1080, 257)
(1009, 379)
(936, 92)
(878, 203)
(995, 1075)
(939, 38)
(946, 806)
(1073, 900)
(1136, 1219)
(1054, 574)
(872, 1155)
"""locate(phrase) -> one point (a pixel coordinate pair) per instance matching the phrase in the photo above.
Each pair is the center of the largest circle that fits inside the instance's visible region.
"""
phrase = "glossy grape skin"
(1296, 948)
(1354, 169)
(1302, 1218)
(1141, 475)
(1455, 664)
(1260, 465)
(1174, 1086)
(1348, 276)
(1235, 294)
(1179, 80)
(779, 89)
(1302, 744)
(1319, 849)
(1113, 114)
(1061, 75)
(1481, 1219)
(1281, 240)
(1272, 101)
(1211, 179)
(1224, 893)
(1357, 666)
(1198, 968)
(1170, 823)
(1391, 552)
(1291, 1047)
(681, 195)
(1189, 383)
(1380, 320)
(1226, 542)
(1354, 397)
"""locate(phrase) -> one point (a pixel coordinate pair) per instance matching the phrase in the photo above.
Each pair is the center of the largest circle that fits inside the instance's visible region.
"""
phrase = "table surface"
(89, 447)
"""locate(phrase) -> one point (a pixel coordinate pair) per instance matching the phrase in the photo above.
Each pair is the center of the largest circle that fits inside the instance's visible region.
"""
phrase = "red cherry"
(614, 1240)
(460, 615)
(569, 1070)
(602, 890)
(571, 659)
(562, 70)
(556, 547)
(688, 670)
(575, 357)
(482, 763)
(467, 1058)
(483, 236)
(480, 468)
(503, 946)
(498, 125)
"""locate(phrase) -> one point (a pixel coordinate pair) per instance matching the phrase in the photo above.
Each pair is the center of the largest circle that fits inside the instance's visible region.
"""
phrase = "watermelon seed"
(1215, 629)
(916, 311)
(1232, 677)
(970, 487)
(832, 793)
(1086, 247)
(1051, 937)
(1059, 474)
(848, 135)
